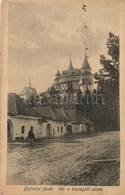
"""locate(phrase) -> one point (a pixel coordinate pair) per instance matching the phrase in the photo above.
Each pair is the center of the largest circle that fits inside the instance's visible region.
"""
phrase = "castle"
(47, 120)
(69, 81)
(73, 79)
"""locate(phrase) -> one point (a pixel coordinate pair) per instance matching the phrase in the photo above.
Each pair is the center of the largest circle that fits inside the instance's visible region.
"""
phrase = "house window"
(57, 129)
(61, 129)
(22, 129)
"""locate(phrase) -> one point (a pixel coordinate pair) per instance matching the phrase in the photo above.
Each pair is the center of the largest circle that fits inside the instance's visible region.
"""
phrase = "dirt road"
(65, 161)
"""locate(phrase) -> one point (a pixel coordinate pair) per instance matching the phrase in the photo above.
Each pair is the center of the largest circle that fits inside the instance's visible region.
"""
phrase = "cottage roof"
(60, 114)
(16, 106)
(76, 116)
(45, 111)
(51, 113)
(31, 112)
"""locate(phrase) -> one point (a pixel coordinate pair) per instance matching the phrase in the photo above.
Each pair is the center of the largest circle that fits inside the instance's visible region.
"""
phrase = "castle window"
(22, 129)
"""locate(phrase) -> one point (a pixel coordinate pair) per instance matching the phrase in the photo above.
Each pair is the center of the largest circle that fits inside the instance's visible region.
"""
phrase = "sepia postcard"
(62, 97)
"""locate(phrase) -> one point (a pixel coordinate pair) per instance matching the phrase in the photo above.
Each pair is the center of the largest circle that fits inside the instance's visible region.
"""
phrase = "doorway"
(69, 129)
(9, 130)
(48, 130)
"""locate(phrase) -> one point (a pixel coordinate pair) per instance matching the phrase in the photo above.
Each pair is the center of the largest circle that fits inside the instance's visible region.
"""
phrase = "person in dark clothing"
(31, 135)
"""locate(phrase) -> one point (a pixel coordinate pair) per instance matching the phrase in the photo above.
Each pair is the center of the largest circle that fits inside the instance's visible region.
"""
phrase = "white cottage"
(45, 120)
(21, 118)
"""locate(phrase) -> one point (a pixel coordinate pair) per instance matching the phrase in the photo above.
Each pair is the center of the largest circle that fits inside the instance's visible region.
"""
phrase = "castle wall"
(67, 78)
(82, 81)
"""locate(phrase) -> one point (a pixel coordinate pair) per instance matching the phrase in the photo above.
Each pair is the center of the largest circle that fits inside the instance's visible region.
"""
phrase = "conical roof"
(58, 73)
(85, 64)
(70, 66)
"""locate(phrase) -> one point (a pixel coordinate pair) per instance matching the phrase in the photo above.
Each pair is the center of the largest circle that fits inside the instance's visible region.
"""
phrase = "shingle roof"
(76, 116)
(60, 114)
(45, 111)
(51, 113)
(16, 106)
(72, 72)
(29, 111)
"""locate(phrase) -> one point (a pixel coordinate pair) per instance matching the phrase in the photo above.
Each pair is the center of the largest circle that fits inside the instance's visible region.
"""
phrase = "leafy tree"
(108, 83)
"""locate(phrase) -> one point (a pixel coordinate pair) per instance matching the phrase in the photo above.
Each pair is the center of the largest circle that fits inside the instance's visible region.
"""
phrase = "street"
(65, 161)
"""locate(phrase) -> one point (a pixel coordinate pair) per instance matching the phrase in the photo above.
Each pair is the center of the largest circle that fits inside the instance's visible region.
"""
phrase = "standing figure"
(31, 135)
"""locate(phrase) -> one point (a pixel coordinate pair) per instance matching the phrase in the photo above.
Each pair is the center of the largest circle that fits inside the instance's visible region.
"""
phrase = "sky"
(43, 35)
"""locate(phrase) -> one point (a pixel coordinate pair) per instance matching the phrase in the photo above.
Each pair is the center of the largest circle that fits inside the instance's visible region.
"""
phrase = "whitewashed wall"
(17, 122)
(58, 128)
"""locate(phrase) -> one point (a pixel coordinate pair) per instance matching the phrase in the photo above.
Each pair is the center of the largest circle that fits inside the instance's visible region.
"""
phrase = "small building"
(28, 92)
(77, 123)
(44, 120)
(21, 118)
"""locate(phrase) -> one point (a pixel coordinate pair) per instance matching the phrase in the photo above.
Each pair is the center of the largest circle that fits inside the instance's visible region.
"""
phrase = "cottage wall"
(78, 128)
(83, 128)
(75, 129)
(58, 128)
(21, 127)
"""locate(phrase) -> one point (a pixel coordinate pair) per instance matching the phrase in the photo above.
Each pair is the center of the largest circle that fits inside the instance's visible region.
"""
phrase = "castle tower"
(70, 68)
(85, 65)
(86, 79)
(57, 75)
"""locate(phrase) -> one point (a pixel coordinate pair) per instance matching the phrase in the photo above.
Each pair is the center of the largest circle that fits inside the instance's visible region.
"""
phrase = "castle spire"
(58, 72)
(85, 64)
(70, 64)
